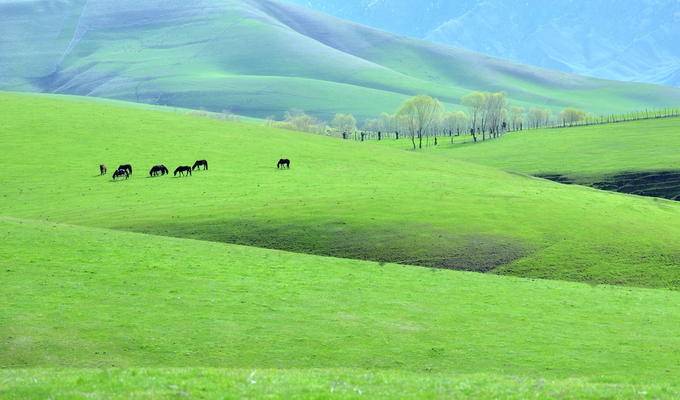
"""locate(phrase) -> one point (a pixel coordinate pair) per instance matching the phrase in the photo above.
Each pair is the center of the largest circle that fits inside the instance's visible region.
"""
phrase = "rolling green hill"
(339, 199)
(139, 288)
(280, 323)
(581, 152)
(261, 58)
(638, 157)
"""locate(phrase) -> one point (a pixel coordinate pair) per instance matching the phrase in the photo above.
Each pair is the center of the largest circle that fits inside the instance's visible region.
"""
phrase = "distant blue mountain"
(632, 40)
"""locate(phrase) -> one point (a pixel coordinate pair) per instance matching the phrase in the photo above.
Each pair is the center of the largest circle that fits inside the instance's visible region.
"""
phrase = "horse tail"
(206, 165)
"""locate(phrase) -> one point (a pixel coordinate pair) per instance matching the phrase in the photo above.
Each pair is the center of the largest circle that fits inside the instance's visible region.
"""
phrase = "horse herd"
(125, 170)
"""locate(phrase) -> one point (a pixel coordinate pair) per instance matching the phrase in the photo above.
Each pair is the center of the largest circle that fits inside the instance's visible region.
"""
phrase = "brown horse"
(102, 169)
(283, 163)
(182, 170)
(200, 163)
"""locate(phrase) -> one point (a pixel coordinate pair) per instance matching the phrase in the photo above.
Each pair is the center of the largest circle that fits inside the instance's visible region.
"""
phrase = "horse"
(200, 163)
(102, 169)
(158, 170)
(126, 167)
(120, 172)
(283, 163)
(181, 170)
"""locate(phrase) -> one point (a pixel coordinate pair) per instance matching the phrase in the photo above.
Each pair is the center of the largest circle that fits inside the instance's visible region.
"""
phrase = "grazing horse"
(158, 170)
(181, 170)
(200, 163)
(102, 169)
(283, 163)
(126, 167)
(120, 172)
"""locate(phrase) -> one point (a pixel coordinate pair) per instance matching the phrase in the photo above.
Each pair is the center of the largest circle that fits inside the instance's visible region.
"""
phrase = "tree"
(388, 122)
(538, 117)
(475, 103)
(298, 120)
(455, 121)
(344, 123)
(571, 116)
(516, 115)
(494, 111)
(372, 125)
(417, 115)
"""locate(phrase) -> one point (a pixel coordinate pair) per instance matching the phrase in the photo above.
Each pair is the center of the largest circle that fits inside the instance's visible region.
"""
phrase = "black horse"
(181, 170)
(102, 169)
(126, 167)
(200, 163)
(120, 172)
(158, 170)
(283, 163)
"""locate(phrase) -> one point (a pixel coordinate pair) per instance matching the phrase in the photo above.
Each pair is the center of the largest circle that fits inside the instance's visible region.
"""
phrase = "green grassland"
(96, 299)
(143, 288)
(634, 157)
(582, 153)
(339, 199)
(292, 384)
(261, 58)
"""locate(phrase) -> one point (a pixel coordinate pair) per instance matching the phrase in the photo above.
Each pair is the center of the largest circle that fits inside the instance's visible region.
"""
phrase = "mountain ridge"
(262, 58)
(600, 39)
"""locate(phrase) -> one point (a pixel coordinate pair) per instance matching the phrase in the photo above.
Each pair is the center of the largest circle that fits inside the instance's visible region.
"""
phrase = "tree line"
(423, 120)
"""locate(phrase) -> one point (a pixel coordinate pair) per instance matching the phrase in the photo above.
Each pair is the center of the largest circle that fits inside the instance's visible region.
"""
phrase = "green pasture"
(96, 299)
(339, 199)
(247, 281)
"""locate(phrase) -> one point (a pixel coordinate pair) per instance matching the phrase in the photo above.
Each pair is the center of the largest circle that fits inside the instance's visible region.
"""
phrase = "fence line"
(588, 121)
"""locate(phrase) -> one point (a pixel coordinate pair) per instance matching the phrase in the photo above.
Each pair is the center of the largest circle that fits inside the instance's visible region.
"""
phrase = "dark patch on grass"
(557, 178)
(413, 245)
(665, 184)
(662, 184)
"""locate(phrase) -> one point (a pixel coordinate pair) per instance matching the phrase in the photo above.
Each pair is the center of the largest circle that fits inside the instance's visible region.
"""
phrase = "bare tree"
(475, 103)
(493, 111)
(344, 123)
(516, 115)
(538, 117)
(571, 116)
(418, 114)
(455, 121)
(298, 120)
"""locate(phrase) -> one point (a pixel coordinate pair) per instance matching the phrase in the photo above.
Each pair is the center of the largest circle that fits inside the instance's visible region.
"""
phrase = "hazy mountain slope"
(261, 57)
(635, 41)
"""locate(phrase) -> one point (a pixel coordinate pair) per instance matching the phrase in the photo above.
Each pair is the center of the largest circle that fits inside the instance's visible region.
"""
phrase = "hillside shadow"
(385, 244)
(662, 184)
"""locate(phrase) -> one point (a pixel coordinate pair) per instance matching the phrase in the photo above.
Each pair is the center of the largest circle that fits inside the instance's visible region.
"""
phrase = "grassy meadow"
(339, 199)
(95, 299)
(634, 157)
(582, 153)
(249, 281)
